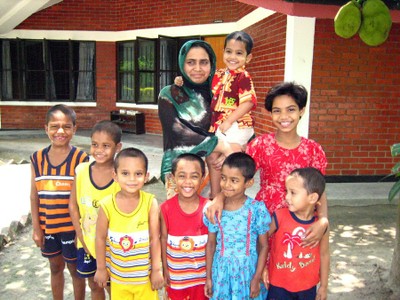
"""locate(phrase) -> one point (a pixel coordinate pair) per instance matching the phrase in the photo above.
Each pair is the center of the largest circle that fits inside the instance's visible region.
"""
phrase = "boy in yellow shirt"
(93, 181)
(128, 244)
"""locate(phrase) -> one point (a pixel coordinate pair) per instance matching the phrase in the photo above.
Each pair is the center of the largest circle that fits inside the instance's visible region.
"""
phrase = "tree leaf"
(394, 191)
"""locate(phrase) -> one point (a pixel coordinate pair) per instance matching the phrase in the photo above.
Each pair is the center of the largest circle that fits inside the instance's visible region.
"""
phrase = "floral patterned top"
(275, 164)
(230, 89)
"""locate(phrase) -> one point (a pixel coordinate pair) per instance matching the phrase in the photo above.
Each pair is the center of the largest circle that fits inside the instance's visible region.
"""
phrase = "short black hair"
(131, 152)
(242, 37)
(189, 157)
(66, 110)
(242, 161)
(112, 129)
(314, 181)
(296, 91)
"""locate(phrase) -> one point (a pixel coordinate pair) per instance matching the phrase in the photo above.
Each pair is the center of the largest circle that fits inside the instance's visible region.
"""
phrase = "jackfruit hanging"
(376, 23)
(348, 20)
(370, 18)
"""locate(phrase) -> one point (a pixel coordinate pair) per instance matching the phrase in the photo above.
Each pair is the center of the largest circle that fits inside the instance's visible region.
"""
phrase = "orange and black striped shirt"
(54, 184)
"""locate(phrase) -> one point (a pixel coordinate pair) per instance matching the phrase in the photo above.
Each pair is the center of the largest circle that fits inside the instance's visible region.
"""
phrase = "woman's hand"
(315, 233)
(218, 161)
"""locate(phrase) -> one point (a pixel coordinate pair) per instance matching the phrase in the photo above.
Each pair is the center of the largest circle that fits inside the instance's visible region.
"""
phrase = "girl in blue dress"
(234, 266)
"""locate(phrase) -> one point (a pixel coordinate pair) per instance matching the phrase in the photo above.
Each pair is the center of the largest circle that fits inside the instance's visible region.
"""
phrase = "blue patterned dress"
(235, 257)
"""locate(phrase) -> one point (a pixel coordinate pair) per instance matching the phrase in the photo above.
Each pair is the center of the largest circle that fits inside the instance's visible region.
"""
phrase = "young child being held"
(295, 271)
(233, 99)
(237, 246)
(93, 181)
(183, 233)
(53, 171)
(128, 233)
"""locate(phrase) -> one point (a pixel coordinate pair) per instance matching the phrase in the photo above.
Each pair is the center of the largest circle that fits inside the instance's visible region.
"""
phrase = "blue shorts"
(277, 293)
(86, 264)
(60, 243)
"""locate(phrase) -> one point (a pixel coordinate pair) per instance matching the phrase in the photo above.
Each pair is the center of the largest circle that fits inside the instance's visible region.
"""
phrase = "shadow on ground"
(361, 245)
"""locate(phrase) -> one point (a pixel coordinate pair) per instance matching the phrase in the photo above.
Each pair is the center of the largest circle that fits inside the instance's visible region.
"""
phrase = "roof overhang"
(13, 13)
(323, 9)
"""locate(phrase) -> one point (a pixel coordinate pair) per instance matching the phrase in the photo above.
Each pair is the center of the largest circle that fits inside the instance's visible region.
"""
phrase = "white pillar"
(299, 59)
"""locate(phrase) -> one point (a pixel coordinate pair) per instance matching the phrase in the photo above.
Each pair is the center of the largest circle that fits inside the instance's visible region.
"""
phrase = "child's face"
(188, 178)
(60, 129)
(103, 148)
(285, 113)
(233, 183)
(131, 174)
(297, 196)
(235, 55)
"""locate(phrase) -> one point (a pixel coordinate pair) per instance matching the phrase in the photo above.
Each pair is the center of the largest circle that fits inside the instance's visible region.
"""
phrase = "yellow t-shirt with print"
(128, 241)
(88, 196)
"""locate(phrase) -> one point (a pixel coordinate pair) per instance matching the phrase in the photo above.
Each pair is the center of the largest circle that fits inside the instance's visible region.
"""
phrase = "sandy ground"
(362, 240)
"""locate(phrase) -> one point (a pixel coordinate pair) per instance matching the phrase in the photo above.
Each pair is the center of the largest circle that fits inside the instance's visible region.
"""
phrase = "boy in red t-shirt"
(183, 234)
(294, 271)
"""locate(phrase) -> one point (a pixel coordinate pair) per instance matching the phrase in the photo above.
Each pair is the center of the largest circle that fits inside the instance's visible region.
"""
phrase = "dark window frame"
(158, 72)
(79, 68)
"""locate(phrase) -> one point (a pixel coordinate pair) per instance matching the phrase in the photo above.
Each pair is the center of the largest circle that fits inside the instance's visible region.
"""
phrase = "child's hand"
(38, 237)
(157, 280)
(178, 81)
(322, 293)
(255, 287)
(101, 277)
(265, 277)
(167, 279)
(208, 288)
(225, 126)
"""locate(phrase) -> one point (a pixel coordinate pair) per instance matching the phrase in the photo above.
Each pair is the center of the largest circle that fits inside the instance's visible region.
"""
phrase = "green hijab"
(198, 95)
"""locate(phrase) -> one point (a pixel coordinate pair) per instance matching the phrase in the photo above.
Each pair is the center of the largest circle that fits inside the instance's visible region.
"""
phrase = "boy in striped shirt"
(183, 233)
(53, 171)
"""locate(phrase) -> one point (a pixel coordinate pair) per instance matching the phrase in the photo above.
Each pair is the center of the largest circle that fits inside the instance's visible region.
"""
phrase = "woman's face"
(197, 65)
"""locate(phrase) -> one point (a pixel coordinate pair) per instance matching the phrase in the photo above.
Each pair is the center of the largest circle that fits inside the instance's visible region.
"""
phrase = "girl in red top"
(277, 154)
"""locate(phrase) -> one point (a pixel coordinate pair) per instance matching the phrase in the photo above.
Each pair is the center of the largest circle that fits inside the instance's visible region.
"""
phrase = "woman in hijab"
(184, 111)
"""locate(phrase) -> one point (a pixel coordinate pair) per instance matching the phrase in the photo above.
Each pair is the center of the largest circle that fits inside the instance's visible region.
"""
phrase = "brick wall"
(355, 88)
(355, 107)
(355, 112)
(127, 15)
(268, 63)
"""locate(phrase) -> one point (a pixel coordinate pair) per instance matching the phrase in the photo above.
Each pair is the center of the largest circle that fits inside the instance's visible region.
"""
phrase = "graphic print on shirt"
(126, 243)
(186, 244)
(292, 239)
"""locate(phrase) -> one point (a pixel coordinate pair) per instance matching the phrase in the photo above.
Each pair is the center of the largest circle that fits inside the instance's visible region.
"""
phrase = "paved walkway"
(15, 178)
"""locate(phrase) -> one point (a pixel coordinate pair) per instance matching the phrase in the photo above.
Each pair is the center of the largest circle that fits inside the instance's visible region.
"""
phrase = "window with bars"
(145, 66)
(47, 70)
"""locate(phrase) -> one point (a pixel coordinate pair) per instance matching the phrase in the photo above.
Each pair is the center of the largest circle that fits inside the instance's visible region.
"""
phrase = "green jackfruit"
(376, 23)
(347, 20)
